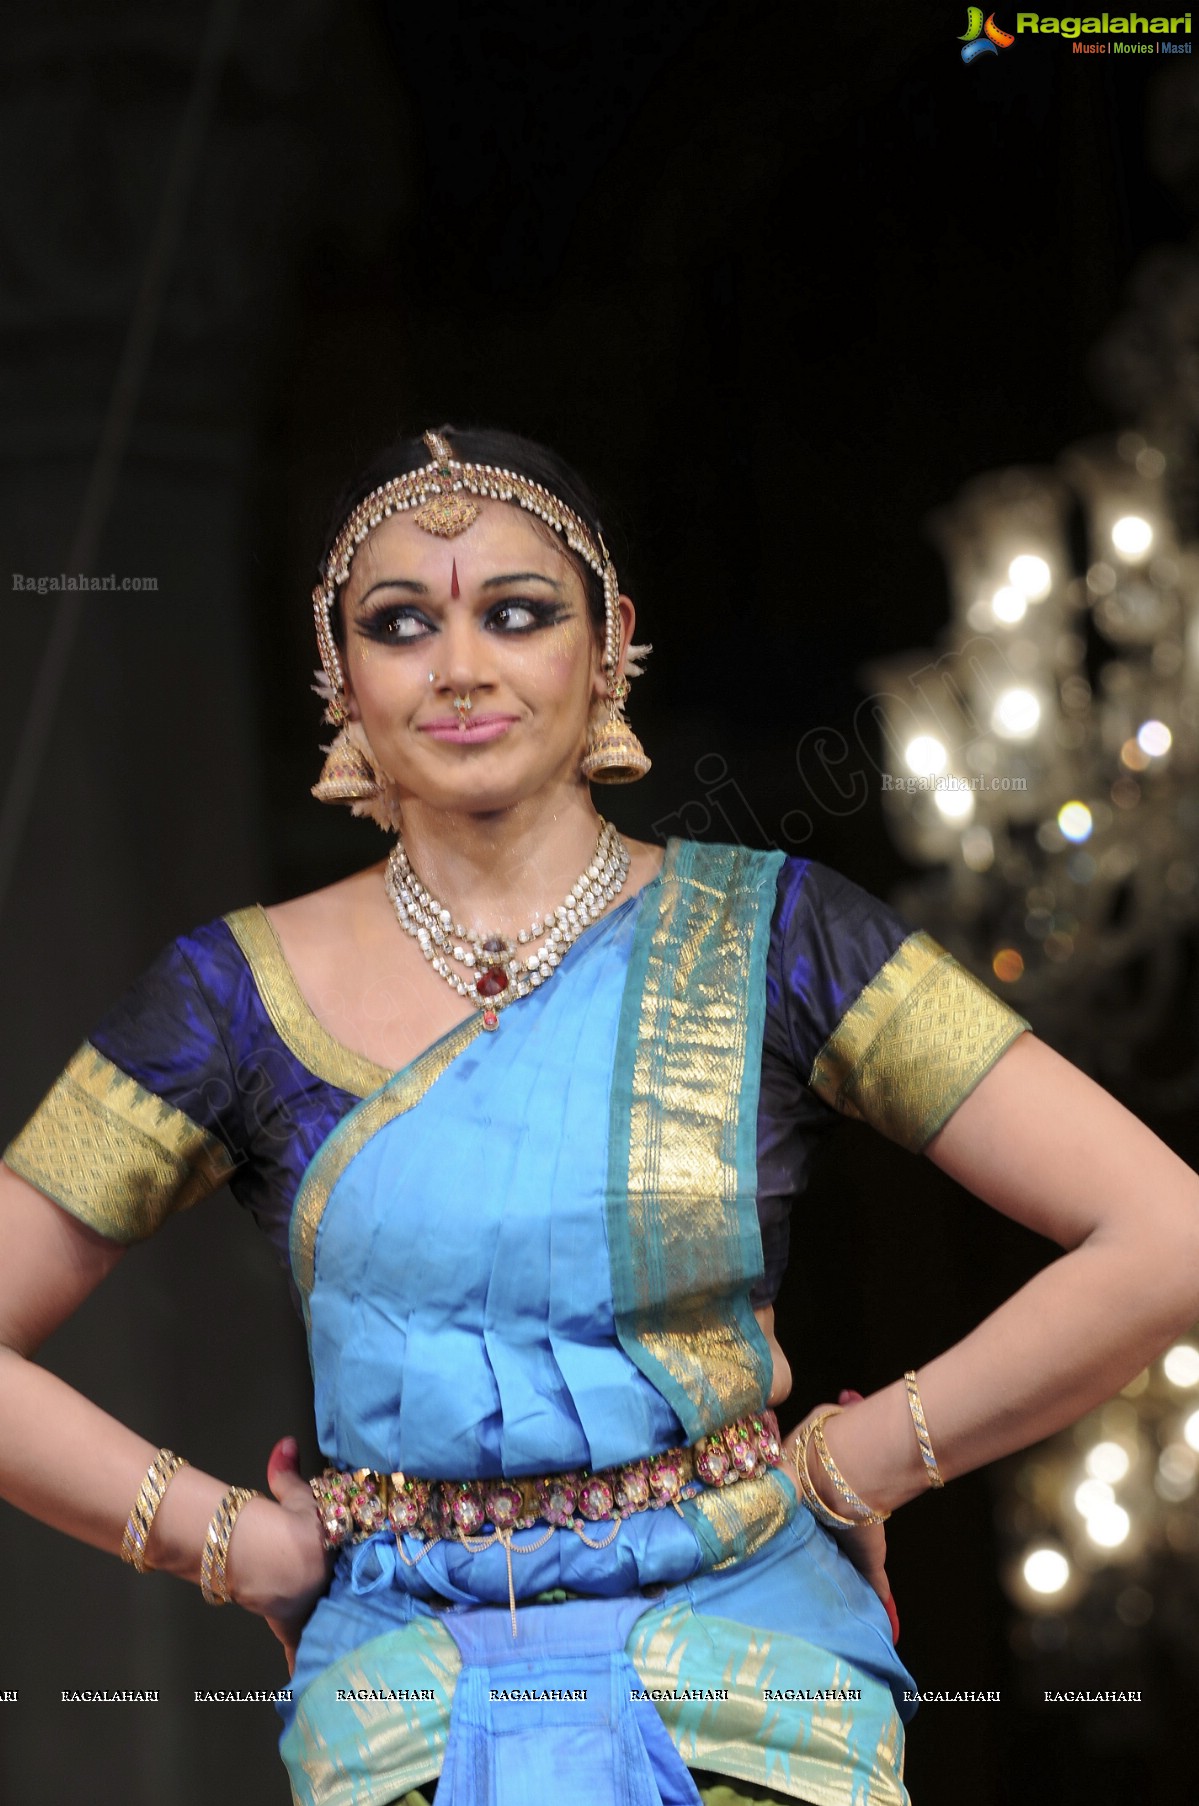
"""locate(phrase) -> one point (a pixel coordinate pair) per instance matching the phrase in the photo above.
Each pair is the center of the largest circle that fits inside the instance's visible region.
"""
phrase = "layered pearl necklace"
(492, 969)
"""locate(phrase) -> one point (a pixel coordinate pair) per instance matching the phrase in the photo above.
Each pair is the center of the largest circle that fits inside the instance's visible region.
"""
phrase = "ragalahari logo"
(983, 37)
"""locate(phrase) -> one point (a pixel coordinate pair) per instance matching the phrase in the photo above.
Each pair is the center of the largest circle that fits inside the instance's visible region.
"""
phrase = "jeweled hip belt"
(358, 1504)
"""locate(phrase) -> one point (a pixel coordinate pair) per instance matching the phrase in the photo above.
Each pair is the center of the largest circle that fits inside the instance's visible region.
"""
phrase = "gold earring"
(614, 754)
(347, 775)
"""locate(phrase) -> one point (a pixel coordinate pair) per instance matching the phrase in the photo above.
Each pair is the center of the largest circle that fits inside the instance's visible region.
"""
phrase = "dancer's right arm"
(71, 1465)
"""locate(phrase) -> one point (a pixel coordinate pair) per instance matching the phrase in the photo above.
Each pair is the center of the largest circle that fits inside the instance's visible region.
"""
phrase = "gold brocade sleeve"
(113, 1154)
(917, 1041)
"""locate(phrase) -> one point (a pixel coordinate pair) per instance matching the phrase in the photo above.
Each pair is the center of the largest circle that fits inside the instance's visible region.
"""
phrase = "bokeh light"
(1092, 1496)
(1016, 714)
(925, 755)
(1009, 605)
(1031, 575)
(1154, 738)
(1108, 1461)
(1109, 1526)
(1046, 1570)
(1180, 1365)
(1132, 536)
(1075, 821)
(955, 802)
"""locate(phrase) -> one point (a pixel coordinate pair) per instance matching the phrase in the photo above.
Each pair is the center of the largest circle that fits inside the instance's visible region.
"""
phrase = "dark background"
(778, 279)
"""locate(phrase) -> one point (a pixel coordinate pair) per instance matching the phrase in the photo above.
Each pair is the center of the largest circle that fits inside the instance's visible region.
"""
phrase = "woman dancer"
(527, 1105)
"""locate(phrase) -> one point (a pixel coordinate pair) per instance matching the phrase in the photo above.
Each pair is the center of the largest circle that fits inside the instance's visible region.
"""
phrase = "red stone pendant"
(491, 1019)
(491, 981)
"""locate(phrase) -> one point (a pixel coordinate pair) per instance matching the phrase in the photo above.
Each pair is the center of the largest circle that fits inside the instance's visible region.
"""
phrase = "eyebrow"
(417, 589)
(422, 589)
(521, 577)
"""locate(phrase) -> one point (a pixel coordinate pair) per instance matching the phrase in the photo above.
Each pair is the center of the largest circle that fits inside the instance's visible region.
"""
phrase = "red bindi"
(454, 591)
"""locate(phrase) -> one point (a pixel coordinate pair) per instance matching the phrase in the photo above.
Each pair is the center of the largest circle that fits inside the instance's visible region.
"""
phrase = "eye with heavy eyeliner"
(398, 621)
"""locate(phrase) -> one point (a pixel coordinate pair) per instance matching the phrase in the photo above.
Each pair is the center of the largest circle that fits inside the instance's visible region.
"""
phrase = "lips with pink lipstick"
(474, 732)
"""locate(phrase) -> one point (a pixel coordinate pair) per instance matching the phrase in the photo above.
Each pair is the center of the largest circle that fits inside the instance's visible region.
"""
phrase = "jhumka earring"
(347, 775)
(614, 753)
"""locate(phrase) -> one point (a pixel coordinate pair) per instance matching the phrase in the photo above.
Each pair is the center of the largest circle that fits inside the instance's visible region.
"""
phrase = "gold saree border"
(293, 1018)
(351, 1135)
(921, 1035)
(737, 1521)
(682, 1210)
(113, 1154)
(396, 1744)
(388, 1747)
(738, 1736)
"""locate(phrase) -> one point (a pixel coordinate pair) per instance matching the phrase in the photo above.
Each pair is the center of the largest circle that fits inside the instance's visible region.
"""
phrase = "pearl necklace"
(490, 969)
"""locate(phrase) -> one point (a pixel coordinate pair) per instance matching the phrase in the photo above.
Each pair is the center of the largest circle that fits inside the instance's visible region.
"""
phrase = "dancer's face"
(495, 618)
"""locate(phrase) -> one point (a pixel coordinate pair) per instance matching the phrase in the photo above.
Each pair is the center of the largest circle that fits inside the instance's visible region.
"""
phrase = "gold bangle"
(932, 1472)
(149, 1497)
(824, 1514)
(864, 1514)
(215, 1555)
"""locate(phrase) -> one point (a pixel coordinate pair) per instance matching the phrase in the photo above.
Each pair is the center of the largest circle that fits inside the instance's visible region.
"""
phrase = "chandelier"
(1043, 758)
(1039, 763)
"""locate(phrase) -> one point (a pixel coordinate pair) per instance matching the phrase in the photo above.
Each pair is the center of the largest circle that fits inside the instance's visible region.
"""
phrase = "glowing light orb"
(1031, 575)
(1108, 1461)
(1075, 821)
(953, 803)
(1093, 1496)
(1016, 714)
(1180, 1365)
(1009, 605)
(1045, 1570)
(925, 755)
(1132, 536)
(1154, 738)
(1109, 1526)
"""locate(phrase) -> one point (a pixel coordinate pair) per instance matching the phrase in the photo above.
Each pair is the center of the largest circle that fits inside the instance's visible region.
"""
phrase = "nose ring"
(463, 705)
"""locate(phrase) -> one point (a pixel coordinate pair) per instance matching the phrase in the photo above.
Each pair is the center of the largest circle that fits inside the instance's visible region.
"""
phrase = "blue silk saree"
(539, 1251)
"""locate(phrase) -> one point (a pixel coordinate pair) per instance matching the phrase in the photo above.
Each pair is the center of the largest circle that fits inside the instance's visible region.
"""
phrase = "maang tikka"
(440, 496)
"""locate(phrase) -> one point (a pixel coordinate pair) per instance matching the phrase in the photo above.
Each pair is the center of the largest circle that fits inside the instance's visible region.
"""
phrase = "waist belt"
(358, 1503)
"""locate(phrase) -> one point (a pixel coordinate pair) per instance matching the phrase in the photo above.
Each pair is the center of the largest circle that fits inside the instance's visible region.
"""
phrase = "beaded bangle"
(932, 1472)
(149, 1497)
(215, 1554)
(863, 1513)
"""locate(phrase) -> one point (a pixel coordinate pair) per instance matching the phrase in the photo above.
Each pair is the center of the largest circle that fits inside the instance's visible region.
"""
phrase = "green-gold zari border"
(294, 1021)
(346, 1752)
(113, 1154)
(826, 1751)
(373, 1751)
(921, 1035)
(682, 1134)
(732, 1523)
(351, 1135)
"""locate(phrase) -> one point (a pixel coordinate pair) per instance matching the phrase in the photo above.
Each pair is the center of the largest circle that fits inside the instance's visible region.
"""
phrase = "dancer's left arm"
(1042, 1143)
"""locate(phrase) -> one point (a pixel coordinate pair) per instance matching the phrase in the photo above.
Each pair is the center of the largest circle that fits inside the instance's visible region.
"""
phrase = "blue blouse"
(216, 1030)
